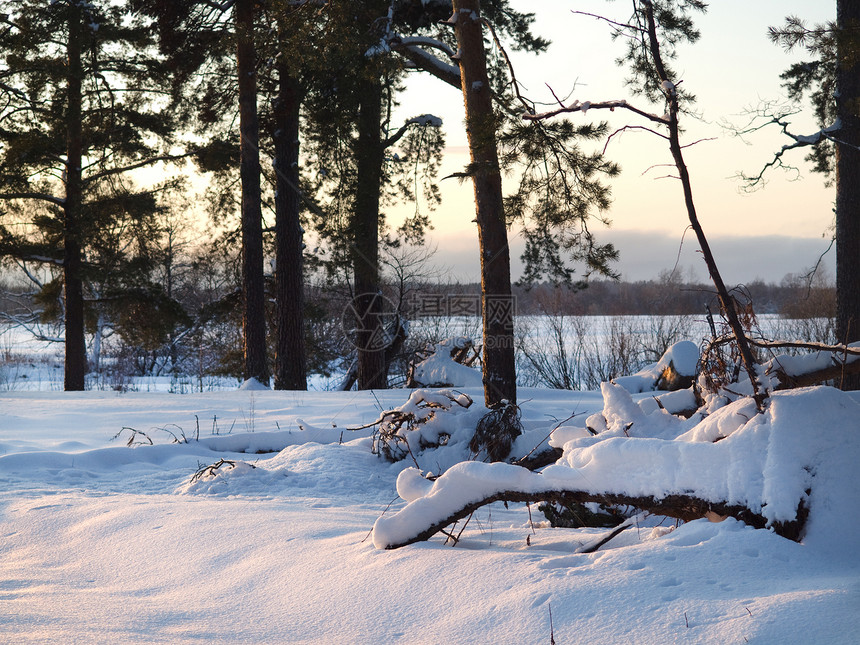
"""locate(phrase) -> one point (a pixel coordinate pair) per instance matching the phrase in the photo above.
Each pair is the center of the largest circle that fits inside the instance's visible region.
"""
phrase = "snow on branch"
(583, 107)
(479, 484)
(424, 41)
(423, 120)
(412, 49)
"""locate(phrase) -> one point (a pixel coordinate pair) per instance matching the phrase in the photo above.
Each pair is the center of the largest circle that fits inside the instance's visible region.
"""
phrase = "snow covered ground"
(105, 542)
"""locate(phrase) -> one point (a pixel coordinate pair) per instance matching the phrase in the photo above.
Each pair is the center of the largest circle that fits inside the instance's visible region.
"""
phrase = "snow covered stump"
(778, 470)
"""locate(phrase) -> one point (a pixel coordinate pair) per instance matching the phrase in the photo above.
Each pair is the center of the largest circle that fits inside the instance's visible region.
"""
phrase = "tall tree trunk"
(848, 181)
(76, 355)
(498, 304)
(290, 364)
(253, 286)
(367, 303)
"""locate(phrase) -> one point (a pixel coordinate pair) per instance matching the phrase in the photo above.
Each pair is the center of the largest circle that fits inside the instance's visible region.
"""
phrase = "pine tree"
(560, 186)
(481, 127)
(85, 106)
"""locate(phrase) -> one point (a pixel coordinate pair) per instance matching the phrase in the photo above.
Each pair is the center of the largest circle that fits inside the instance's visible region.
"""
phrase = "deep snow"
(102, 542)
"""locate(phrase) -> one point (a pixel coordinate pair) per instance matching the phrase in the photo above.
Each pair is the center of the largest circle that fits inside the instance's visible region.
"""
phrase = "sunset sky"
(732, 68)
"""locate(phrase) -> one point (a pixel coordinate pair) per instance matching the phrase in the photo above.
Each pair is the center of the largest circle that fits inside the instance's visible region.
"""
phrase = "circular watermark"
(369, 322)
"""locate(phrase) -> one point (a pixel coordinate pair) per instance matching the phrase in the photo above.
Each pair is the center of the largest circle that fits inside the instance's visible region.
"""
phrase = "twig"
(210, 470)
(626, 524)
(621, 26)
(465, 524)
(370, 532)
(531, 522)
(540, 443)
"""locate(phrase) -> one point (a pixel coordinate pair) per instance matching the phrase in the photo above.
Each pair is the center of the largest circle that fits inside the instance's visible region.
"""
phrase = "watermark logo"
(428, 305)
(369, 322)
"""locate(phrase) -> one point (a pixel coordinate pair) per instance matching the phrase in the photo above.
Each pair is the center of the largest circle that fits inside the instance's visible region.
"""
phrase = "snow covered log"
(830, 364)
(396, 532)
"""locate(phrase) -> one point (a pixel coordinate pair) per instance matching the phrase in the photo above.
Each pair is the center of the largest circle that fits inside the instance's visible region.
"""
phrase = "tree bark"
(367, 302)
(290, 363)
(75, 344)
(499, 372)
(253, 285)
(848, 181)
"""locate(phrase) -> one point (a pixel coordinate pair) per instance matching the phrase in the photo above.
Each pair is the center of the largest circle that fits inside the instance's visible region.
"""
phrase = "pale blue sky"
(733, 67)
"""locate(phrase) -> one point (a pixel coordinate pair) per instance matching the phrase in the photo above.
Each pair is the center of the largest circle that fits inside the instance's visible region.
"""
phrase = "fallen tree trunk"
(834, 372)
(844, 360)
(682, 507)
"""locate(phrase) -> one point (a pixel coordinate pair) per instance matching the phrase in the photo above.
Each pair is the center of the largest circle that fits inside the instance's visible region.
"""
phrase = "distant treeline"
(793, 298)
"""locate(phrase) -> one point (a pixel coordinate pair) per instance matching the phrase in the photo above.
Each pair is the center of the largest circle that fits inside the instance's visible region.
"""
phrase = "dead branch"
(834, 372)
(596, 544)
(212, 469)
(620, 27)
(798, 344)
(133, 439)
(841, 366)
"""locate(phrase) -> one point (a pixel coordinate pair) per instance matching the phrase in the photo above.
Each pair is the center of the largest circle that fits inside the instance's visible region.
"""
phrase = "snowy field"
(103, 542)
(27, 364)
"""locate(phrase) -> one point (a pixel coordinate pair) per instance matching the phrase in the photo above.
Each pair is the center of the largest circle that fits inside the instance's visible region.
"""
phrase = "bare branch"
(620, 27)
(697, 141)
(576, 106)
(219, 6)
